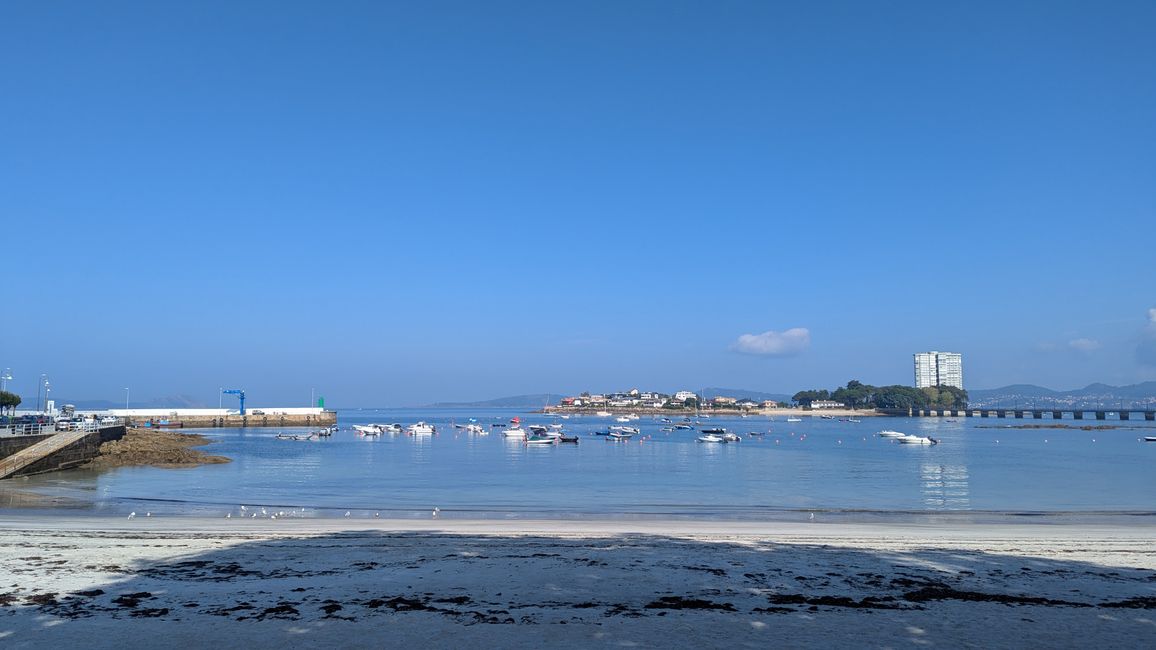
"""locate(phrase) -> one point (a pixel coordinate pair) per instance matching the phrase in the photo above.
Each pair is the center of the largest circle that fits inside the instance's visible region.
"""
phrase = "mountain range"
(1092, 396)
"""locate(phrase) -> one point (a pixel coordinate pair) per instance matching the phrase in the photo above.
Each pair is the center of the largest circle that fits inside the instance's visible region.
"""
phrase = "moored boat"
(711, 437)
(421, 429)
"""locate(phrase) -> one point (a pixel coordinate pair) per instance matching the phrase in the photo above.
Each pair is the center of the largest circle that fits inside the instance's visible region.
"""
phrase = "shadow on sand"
(373, 588)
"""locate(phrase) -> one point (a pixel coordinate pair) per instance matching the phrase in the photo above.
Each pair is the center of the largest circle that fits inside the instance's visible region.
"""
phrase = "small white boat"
(537, 428)
(917, 440)
(392, 428)
(711, 437)
(622, 418)
(619, 436)
(514, 432)
(420, 429)
(1149, 438)
(891, 434)
(478, 429)
(603, 414)
(368, 429)
(794, 419)
(627, 430)
(730, 437)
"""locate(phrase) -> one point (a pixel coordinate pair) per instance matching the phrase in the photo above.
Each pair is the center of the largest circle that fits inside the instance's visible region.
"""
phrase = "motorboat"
(622, 418)
(666, 429)
(1149, 438)
(891, 434)
(603, 414)
(714, 430)
(537, 428)
(514, 432)
(540, 440)
(421, 429)
(756, 434)
(711, 437)
(620, 435)
(684, 427)
(626, 430)
(392, 428)
(368, 429)
(827, 417)
(730, 437)
(665, 420)
(794, 419)
(474, 428)
(918, 440)
(291, 436)
(568, 439)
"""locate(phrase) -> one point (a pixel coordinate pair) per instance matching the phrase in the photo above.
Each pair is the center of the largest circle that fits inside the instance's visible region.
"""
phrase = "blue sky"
(397, 203)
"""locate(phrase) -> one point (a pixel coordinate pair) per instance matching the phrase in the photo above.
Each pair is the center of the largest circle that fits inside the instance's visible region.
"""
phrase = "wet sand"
(262, 582)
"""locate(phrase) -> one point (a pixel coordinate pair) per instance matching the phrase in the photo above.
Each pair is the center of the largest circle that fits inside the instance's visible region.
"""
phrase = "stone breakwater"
(323, 419)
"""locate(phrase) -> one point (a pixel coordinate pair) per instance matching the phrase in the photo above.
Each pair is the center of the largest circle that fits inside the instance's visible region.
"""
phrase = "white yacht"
(891, 434)
(421, 429)
(514, 432)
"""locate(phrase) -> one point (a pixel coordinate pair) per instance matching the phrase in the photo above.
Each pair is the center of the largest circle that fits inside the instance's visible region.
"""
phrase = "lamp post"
(41, 384)
(47, 390)
(126, 399)
(311, 396)
(5, 378)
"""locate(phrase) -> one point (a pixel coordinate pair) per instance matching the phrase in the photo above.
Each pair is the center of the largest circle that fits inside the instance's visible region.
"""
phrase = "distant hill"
(1103, 396)
(739, 393)
(517, 401)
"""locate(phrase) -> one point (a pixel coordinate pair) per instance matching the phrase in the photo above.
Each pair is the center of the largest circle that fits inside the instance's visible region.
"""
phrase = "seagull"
(228, 515)
(377, 514)
(131, 515)
(273, 517)
(346, 513)
(812, 516)
(148, 514)
(436, 510)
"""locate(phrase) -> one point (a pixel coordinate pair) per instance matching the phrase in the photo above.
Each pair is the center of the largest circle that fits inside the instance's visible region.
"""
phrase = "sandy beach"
(148, 581)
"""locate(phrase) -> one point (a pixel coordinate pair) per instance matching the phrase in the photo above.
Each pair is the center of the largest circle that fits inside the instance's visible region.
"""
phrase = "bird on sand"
(131, 515)
(436, 510)
(812, 516)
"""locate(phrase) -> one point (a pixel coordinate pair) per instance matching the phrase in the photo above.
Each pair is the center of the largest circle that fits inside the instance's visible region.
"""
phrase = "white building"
(827, 404)
(938, 369)
(683, 395)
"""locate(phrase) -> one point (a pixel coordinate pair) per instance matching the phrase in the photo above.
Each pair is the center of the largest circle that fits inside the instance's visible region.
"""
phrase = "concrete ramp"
(40, 451)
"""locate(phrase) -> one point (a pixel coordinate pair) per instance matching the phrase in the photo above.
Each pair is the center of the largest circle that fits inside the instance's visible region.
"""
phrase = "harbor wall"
(74, 455)
(177, 419)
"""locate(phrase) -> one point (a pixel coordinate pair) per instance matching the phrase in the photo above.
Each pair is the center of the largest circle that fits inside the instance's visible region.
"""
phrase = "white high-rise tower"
(938, 369)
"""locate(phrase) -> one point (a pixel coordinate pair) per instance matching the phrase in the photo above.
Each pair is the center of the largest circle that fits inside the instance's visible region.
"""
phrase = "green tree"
(805, 397)
(9, 402)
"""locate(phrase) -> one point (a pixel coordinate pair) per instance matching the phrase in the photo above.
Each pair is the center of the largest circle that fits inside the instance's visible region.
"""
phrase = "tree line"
(859, 395)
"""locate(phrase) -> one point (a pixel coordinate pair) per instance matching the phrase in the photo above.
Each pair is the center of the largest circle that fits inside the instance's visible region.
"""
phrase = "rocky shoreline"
(154, 448)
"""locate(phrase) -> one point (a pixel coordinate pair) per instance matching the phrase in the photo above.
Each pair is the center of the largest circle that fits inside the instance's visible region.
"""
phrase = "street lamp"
(47, 390)
(311, 396)
(126, 398)
(5, 378)
(43, 383)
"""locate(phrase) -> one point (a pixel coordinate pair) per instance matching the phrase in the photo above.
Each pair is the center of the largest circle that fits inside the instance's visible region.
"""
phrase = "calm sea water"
(836, 468)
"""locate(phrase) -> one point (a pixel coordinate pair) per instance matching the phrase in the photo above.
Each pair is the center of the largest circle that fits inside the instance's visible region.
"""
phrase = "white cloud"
(774, 344)
(1084, 345)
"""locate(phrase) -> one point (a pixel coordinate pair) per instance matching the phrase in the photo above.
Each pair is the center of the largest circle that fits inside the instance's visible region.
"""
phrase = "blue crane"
(239, 393)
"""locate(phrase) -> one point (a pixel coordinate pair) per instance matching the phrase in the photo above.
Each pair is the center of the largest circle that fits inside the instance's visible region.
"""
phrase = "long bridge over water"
(1026, 414)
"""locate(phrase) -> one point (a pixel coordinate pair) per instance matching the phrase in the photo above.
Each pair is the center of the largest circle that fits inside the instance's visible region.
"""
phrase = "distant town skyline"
(392, 204)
